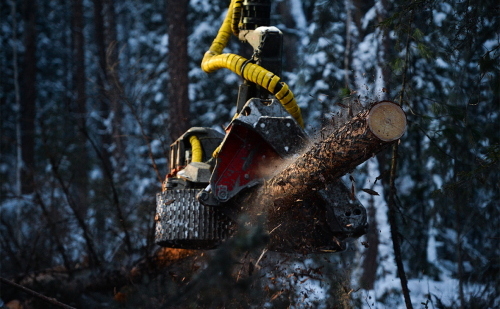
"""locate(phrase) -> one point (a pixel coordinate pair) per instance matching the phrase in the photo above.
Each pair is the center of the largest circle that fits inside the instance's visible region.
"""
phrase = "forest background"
(92, 96)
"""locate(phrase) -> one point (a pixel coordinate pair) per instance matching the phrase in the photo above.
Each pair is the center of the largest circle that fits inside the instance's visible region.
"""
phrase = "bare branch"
(52, 301)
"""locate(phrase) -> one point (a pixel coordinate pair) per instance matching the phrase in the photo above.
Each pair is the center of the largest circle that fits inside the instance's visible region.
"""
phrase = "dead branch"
(53, 230)
(145, 138)
(52, 301)
(116, 200)
(119, 88)
(392, 191)
(81, 222)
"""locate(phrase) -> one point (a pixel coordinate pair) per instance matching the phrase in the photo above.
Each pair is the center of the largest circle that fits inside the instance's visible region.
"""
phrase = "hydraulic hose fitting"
(256, 13)
(214, 59)
(237, 9)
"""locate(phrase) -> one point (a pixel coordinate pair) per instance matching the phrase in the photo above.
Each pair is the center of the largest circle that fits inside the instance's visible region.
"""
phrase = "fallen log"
(326, 161)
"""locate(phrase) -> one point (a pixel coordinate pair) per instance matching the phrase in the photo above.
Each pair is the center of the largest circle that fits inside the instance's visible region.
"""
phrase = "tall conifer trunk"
(290, 42)
(421, 260)
(108, 81)
(178, 67)
(18, 120)
(102, 79)
(28, 99)
(114, 91)
(80, 170)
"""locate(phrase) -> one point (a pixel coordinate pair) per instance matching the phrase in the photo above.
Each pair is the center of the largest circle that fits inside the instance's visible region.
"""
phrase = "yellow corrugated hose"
(215, 60)
(195, 149)
(237, 8)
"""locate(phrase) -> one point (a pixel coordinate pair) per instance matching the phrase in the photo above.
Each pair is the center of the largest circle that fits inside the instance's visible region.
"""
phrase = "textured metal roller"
(182, 222)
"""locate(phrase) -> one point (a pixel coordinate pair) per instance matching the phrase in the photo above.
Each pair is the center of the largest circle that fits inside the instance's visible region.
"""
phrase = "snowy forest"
(93, 92)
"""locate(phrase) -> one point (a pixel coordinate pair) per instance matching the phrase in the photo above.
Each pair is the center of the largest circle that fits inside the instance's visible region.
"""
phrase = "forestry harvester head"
(215, 177)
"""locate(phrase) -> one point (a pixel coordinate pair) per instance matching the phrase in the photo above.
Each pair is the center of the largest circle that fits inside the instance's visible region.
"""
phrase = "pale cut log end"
(387, 121)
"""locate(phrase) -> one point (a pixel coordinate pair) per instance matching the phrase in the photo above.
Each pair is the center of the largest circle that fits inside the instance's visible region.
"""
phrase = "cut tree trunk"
(361, 138)
(296, 217)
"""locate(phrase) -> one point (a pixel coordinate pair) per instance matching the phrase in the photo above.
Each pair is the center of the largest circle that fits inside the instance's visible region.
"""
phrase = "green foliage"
(397, 65)
(488, 165)
(424, 51)
(345, 92)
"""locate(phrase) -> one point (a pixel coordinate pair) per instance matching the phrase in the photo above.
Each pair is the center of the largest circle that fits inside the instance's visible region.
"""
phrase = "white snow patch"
(369, 16)
(158, 97)
(298, 14)
(438, 17)
(95, 174)
(163, 47)
(441, 63)
(432, 244)
(323, 42)
(437, 180)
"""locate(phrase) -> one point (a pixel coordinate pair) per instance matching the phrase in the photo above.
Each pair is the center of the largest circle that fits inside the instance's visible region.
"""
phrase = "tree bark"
(28, 99)
(361, 138)
(420, 262)
(178, 67)
(108, 81)
(290, 42)
(80, 170)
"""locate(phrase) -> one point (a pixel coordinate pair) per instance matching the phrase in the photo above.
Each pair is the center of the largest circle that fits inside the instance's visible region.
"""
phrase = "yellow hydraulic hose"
(214, 60)
(237, 8)
(195, 149)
